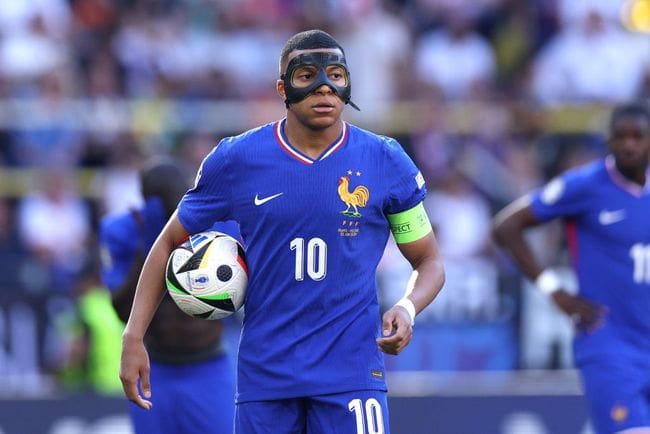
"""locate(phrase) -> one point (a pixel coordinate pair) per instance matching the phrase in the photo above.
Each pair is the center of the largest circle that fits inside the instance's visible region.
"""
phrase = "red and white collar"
(284, 144)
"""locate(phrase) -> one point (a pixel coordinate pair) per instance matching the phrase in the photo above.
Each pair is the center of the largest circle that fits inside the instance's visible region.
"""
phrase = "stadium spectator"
(460, 216)
(308, 175)
(378, 80)
(49, 135)
(472, 72)
(118, 184)
(33, 39)
(54, 223)
(95, 331)
(14, 257)
(592, 59)
(605, 205)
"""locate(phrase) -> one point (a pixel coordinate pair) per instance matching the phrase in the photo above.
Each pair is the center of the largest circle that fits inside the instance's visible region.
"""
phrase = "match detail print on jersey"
(410, 225)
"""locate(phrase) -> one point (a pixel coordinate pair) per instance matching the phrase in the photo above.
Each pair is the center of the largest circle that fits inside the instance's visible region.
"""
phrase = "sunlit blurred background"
(491, 98)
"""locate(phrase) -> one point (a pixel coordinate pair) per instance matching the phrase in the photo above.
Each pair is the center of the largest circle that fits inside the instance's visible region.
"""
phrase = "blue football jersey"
(124, 235)
(314, 231)
(608, 228)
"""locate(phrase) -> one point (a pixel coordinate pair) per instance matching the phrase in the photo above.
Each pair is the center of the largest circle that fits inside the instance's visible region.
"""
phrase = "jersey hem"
(251, 397)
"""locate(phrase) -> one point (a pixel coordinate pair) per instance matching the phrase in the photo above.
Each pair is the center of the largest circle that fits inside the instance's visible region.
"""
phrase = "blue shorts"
(617, 394)
(189, 398)
(357, 412)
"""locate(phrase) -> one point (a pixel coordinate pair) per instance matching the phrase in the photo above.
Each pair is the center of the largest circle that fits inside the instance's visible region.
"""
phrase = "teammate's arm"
(148, 295)
(509, 227)
(122, 297)
(420, 248)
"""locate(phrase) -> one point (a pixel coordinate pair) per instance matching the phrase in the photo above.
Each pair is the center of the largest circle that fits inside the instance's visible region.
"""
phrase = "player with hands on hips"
(605, 206)
(316, 199)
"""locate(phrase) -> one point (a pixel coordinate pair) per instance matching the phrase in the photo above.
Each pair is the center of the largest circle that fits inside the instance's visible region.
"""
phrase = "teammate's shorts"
(191, 398)
(617, 394)
(357, 412)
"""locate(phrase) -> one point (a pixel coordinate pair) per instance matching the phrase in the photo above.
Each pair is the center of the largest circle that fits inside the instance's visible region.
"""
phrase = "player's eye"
(303, 77)
(337, 75)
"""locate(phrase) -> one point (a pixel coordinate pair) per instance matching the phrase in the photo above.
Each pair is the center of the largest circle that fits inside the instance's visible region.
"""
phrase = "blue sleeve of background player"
(117, 251)
(564, 196)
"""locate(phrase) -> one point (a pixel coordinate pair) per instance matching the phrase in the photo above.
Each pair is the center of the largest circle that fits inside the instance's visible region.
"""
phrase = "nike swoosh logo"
(607, 217)
(260, 201)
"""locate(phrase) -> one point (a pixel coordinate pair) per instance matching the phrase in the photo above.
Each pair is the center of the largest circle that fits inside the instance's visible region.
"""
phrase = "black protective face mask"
(320, 61)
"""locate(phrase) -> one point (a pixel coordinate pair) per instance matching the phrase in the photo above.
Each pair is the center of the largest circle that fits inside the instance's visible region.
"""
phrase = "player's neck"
(634, 176)
(311, 141)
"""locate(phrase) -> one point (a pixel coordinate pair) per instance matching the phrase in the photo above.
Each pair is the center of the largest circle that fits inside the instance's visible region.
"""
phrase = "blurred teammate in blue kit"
(316, 199)
(193, 374)
(606, 208)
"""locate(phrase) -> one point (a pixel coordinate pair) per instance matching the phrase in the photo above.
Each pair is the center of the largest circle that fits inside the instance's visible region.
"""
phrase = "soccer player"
(193, 375)
(316, 199)
(606, 207)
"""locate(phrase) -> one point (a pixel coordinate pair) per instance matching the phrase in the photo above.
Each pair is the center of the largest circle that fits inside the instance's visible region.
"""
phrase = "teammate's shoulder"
(582, 180)
(587, 172)
(117, 224)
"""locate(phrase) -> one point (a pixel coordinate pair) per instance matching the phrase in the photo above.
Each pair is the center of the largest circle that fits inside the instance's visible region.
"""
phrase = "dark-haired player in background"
(316, 199)
(606, 208)
(193, 375)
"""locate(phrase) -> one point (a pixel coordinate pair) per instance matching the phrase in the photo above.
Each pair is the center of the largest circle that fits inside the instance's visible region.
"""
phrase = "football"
(207, 275)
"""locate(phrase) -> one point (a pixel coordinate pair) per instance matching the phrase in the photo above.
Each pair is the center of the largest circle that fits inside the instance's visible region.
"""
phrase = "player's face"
(322, 107)
(630, 144)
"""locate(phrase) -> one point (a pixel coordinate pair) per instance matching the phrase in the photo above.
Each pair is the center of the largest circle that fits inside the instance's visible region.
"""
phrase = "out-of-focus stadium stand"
(491, 98)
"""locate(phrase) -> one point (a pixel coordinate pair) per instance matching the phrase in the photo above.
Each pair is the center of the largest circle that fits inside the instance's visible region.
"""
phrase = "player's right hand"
(134, 366)
(586, 316)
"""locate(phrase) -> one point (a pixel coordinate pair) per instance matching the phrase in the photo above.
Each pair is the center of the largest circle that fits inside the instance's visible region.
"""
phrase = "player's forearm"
(151, 286)
(148, 294)
(425, 283)
(521, 252)
(428, 275)
(508, 232)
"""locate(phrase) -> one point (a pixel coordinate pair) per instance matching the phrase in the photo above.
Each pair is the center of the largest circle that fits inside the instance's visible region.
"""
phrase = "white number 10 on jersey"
(368, 415)
(316, 258)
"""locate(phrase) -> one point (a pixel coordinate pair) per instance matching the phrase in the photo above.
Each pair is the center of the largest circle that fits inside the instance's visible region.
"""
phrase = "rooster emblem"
(357, 198)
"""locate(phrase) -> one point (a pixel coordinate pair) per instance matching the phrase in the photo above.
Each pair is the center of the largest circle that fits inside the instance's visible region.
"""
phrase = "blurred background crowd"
(490, 97)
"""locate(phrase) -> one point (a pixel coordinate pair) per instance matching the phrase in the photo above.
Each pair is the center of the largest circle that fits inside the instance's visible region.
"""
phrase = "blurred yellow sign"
(635, 15)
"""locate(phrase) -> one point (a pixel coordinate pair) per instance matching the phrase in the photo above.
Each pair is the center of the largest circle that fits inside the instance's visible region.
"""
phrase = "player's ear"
(279, 85)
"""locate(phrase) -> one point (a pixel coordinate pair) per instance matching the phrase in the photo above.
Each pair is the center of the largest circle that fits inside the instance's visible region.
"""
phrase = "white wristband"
(410, 308)
(548, 281)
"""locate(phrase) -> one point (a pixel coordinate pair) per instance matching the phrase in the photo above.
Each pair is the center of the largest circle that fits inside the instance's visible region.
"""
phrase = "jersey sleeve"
(562, 197)
(407, 187)
(116, 252)
(209, 200)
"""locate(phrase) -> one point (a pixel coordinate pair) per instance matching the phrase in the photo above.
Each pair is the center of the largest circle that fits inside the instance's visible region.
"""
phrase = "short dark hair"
(307, 40)
(166, 179)
(634, 108)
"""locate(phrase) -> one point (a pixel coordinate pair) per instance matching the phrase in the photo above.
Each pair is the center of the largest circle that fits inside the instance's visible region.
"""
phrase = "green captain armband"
(410, 225)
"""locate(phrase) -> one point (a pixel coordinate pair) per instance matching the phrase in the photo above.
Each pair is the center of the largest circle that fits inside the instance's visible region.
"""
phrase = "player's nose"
(324, 89)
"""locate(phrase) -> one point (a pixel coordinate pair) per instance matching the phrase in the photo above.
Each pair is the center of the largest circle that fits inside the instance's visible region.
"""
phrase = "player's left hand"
(396, 329)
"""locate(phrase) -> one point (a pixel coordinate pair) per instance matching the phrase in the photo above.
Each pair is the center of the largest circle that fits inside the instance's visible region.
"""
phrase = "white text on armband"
(410, 225)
